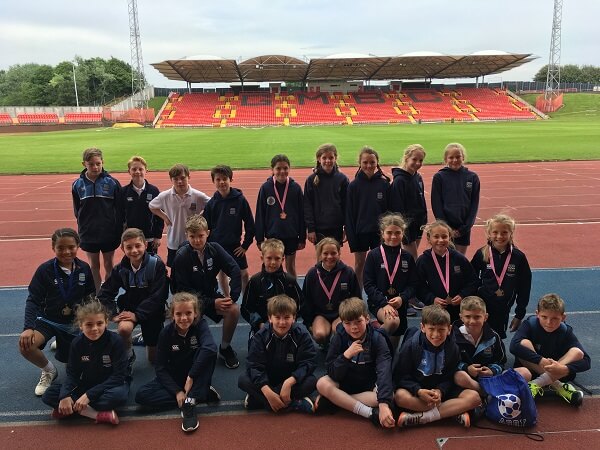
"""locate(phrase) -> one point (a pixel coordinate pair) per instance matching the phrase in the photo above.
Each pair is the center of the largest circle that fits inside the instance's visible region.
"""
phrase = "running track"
(557, 206)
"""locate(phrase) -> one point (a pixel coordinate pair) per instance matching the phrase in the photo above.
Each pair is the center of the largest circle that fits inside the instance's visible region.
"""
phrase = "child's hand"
(155, 244)
(386, 418)
(456, 300)
(286, 390)
(312, 237)
(81, 403)
(26, 340)
(354, 349)
(474, 370)
(395, 302)
(389, 311)
(556, 369)
(544, 362)
(126, 315)
(239, 252)
(180, 397)
(427, 395)
(486, 372)
(440, 301)
(167, 221)
(515, 324)
(223, 304)
(274, 400)
(65, 406)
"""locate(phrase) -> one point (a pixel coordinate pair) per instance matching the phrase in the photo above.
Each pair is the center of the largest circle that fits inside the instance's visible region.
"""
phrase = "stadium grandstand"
(339, 89)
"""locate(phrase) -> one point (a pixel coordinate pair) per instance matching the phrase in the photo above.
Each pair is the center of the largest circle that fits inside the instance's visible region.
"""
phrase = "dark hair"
(221, 169)
(89, 153)
(132, 233)
(280, 158)
(323, 148)
(435, 315)
(366, 150)
(178, 170)
(65, 232)
(353, 308)
(281, 304)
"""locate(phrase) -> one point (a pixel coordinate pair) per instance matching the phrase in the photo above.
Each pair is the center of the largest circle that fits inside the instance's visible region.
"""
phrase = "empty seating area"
(38, 119)
(320, 108)
(83, 117)
(5, 119)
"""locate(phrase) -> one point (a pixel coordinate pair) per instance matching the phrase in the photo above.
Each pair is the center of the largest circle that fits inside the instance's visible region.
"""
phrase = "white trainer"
(45, 381)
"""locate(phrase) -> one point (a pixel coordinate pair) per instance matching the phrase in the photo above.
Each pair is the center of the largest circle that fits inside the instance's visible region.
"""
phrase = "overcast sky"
(53, 31)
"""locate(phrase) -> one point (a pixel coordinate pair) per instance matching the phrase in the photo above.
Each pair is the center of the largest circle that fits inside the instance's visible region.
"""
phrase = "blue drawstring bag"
(509, 400)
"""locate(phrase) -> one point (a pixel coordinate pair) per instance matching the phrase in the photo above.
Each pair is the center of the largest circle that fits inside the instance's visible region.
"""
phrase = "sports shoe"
(464, 419)
(374, 417)
(189, 417)
(304, 405)
(251, 404)
(229, 356)
(107, 417)
(409, 419)
(535, 390)
(478, 412)
(53, 345)
(324, 406)
(416, 303)
(411, 312)
(138, 340)
(56, 414)
(213, 395)
(46, 380)
(568, 392)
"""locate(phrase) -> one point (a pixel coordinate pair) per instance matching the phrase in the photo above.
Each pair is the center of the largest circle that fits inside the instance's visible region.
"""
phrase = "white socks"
(362, 410)
(543, 380)
(431, 416)
(49, 367)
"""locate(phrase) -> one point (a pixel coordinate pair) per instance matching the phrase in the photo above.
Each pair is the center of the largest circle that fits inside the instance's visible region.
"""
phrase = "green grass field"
(572, 134)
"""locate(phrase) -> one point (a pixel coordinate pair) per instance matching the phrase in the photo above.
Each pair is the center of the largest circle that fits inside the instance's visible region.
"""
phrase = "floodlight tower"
(138, 81)
(553, 75)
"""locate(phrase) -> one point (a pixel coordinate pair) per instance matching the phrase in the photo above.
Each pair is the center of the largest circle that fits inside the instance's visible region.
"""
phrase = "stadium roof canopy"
(344, 66)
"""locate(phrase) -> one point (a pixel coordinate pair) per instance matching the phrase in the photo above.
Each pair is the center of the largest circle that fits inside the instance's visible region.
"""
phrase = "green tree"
(571, 73)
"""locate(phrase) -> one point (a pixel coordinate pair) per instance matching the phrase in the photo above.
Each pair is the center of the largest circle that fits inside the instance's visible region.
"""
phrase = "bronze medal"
(391, 291)
(66, 311)
(499, 293)
(282, 215)
(329, 307)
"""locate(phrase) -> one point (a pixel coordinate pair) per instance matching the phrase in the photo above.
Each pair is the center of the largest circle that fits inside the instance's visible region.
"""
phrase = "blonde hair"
(353, 308)
(438, 223)
(472, 303)
(392, 219)
(326, 241)
(185, 297)
(272, 245)
(435, 315)
(501, 219)
(281, 304)
(196, 223)
(135, 159)
(551, 302)
(455, 146)
(408, 152)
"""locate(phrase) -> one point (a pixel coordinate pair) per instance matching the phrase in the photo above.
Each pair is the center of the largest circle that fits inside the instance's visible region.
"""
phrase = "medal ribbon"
(385, 264)
(446, 281)
(501, 277)
(329, 292)
(285, 191)
(66, 294)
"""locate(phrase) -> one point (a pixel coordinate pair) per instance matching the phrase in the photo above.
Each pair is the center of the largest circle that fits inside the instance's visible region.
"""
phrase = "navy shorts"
(336, 233)
(63, 338)
(100, 247)
(290, 246)
(365, 242)
(413, 231)
(171, 256)
(241, 261)
(151, 328)
(356, 387)
(210, 311)
(464, 239)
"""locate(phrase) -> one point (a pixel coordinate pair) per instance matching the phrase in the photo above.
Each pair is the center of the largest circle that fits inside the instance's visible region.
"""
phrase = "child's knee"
(401, 395)
(528, 344)
(320, 335)
(324, 385)
(576, 354)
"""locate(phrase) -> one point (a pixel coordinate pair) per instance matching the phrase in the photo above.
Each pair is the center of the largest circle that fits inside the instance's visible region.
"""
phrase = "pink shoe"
(107, 417)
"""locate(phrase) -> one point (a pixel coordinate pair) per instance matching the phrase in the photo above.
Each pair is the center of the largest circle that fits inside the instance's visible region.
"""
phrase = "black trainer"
(374, 417)
(229, 356)
(324, 406)
(189, 418)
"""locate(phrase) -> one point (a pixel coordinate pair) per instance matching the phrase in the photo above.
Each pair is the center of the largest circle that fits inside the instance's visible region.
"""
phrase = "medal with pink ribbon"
(499, 279)
(391, 290)
(281, 202)
(329, 292)
(445, 281)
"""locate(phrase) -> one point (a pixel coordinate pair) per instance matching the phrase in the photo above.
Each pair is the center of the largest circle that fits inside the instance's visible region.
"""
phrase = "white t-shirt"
(178, 209)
